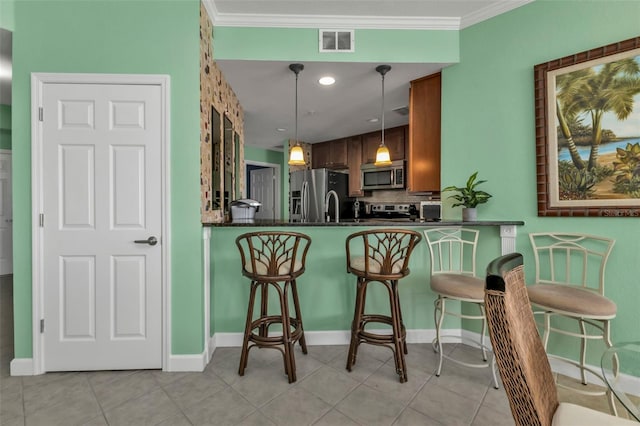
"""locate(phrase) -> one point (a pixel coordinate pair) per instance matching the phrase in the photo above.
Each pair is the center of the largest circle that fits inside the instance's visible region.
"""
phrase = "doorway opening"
(264, 185)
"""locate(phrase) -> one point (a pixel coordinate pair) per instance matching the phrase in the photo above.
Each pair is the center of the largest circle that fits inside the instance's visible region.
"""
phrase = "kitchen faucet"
(326, 205)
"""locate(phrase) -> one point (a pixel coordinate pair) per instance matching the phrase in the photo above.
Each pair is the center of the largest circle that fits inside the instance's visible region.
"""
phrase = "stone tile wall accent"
(216, 92)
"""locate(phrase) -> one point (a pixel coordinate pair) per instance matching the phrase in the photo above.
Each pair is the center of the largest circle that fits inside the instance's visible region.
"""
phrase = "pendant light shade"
(296, 154)
(382, 155)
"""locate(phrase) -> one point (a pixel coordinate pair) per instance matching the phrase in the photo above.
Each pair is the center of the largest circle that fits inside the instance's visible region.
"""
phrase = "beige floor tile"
(256, 419)
(387, 381)
(75, 408)
(443, 405)
(295, 407)
(260, 385)
(411, 417)
(48, 394)
(226, 407)
(124, 389)
(335, 418)
(368, 406)
(328, 384)
(192, 389)
(361, 370)
(151, 408)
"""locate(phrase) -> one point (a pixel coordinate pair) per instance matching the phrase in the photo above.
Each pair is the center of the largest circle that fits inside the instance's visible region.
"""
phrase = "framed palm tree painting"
(587, 109)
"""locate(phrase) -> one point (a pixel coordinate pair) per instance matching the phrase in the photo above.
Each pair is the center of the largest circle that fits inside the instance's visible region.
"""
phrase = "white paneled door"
(262, 189)
(102, 222)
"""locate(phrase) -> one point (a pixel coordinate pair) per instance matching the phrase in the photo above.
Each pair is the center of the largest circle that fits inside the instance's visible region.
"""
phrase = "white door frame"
(278, 187)
(38, 80)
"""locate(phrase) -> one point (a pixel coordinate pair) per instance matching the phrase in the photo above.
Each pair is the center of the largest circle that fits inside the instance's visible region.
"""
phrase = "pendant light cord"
(296, 103)
(382, 108)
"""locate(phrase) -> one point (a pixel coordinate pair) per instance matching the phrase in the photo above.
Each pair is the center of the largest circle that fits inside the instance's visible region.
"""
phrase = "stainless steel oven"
(383, 177)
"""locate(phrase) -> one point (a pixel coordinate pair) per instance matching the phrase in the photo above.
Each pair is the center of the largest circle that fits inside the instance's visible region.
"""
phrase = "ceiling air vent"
(403, 110)
(336, 40)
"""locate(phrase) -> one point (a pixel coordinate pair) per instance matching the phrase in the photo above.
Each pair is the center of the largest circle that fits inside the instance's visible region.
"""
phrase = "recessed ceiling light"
(372, 120)
(327, 81)
(281, 129)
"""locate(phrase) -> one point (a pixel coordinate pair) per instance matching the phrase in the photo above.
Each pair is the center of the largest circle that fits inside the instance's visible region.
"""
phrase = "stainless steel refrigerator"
(308, 191)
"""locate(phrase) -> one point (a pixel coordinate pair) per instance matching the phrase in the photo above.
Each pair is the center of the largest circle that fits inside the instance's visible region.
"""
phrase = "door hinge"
(42, 325)
(41, 114)
(41, 220)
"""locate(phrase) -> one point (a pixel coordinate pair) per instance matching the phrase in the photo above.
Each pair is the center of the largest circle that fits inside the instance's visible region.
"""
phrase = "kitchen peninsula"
(327, 291)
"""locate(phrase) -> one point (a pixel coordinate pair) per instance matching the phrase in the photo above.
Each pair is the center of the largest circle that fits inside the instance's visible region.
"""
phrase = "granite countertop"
(364, 222)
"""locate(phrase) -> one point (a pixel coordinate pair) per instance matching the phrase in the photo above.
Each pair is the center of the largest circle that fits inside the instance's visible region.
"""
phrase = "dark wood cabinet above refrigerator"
(330, 155)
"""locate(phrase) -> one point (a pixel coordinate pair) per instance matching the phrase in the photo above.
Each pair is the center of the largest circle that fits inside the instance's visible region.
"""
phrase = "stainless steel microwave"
(382, 177)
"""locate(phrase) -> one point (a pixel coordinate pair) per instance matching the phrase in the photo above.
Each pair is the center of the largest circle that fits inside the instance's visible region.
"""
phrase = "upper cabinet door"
(331, 155)
(424, 135)
(393, 139)
(354, 158)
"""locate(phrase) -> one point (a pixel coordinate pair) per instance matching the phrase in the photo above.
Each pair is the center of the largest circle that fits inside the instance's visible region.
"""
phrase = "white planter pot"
(469, 214)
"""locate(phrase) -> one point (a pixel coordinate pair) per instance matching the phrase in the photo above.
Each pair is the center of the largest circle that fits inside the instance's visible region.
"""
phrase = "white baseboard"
(326, 338)
(21, 367)
(629, 384)
(24, 366)
(195, 363)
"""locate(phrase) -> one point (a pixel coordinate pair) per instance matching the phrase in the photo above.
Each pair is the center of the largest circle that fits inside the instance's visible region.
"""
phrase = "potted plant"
(469, 197)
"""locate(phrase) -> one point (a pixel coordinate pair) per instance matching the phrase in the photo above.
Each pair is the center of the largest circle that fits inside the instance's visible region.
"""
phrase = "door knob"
(152, 241)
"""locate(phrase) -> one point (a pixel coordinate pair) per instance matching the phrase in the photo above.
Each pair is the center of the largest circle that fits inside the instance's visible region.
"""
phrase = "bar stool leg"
(355, 325)
(289, 360)
(439, 306)
(396, 323)
(264, 299)
(247, 329)
(484, 331)
(296, 305)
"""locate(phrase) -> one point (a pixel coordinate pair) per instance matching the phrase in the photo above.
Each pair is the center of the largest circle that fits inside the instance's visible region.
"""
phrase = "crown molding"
(336, 22)
(491, 11)
(358, 22)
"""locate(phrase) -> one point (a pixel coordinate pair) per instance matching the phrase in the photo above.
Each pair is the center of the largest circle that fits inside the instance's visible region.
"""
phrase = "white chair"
(569, 282)
(524, 367)
(453, 268)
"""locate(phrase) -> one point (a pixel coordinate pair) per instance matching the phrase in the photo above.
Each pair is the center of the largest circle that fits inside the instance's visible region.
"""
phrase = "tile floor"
(325, 393)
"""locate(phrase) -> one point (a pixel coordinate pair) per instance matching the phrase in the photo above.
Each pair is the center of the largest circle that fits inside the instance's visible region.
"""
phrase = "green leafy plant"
(469, 196)
(627, 170)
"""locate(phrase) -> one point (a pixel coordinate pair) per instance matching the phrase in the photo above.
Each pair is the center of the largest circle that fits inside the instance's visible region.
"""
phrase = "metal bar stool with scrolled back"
(569, 283)
(452, 253)
(273, 259)
(385, 259)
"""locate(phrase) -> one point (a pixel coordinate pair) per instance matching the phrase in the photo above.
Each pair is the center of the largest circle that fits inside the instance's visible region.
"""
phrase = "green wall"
(326, 290)
(488, 125)
(284, 44)
(5, 127)
(7, 14)
(136, 37)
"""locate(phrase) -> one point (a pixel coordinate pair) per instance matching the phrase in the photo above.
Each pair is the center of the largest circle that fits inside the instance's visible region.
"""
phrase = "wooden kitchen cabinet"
(330, 155)
(423, 165)
(354, 159)
(394, 139)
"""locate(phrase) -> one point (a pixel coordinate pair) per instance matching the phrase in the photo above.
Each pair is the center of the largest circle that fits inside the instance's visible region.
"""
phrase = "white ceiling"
(266, 89)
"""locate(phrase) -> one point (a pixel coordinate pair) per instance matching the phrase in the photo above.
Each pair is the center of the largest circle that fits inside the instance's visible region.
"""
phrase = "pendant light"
(296, 155)
(382, 155)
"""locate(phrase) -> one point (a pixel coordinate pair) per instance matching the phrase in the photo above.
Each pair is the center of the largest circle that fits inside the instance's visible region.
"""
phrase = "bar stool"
(385, 260)
(452, 252)
(273, 259)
